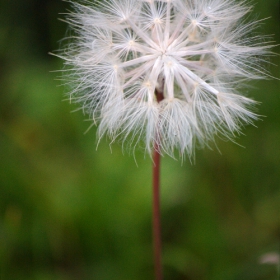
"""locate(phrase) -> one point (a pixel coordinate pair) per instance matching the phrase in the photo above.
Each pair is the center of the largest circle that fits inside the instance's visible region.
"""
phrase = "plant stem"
(156, 201)
(156, 215)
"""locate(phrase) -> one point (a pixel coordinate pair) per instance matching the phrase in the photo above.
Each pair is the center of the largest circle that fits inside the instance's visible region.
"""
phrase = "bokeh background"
(69, 211)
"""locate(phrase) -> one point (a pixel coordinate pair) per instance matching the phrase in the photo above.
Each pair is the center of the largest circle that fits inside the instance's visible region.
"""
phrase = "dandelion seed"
(197, 52)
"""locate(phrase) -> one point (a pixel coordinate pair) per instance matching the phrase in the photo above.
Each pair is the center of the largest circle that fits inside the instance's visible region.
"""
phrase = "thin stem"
(156, 202)
(156, 215)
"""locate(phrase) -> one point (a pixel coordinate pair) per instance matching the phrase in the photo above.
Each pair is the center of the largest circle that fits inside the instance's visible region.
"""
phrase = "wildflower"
(195, 52)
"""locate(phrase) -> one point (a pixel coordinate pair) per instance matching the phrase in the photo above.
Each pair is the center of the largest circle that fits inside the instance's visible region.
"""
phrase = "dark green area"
(69, 211)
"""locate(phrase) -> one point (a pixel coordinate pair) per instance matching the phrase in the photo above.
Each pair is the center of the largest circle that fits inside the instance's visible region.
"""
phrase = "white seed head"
(196, 52)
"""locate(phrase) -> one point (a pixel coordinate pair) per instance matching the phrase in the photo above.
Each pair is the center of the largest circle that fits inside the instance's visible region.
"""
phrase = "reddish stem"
(156, 201)
(156, 214)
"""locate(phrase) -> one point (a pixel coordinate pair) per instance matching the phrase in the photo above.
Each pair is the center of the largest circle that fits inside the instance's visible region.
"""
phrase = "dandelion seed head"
(195, 52)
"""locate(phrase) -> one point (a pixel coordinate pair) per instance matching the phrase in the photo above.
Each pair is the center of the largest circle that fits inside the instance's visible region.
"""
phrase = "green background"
(69, 211)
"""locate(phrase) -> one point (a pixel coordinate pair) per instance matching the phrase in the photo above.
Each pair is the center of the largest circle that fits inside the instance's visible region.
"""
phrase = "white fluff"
(198, 51)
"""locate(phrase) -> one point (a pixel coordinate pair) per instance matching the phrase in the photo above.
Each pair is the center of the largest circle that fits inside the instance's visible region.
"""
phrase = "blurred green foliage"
(69, 211)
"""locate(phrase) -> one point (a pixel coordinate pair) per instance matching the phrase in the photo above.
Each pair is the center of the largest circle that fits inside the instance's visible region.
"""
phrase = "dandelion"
(164, 74)
(197, 53)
